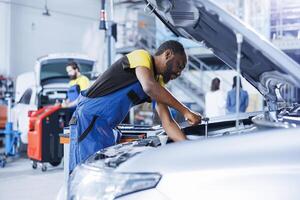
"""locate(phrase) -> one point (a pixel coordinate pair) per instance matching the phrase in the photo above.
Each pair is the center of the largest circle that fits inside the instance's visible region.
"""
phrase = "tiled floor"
(19, 181)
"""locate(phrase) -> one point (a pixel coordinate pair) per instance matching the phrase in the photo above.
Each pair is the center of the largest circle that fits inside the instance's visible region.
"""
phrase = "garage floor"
(19, 181)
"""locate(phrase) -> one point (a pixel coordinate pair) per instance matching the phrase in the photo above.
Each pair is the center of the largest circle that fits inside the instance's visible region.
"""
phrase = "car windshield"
(56, 68)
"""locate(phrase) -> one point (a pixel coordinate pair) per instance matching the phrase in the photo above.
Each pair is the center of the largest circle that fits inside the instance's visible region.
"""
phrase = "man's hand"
(65, 104)
(192, 117)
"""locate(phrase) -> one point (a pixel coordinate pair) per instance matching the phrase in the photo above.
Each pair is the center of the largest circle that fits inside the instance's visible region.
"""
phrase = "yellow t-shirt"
(142, 58)
(82, 81)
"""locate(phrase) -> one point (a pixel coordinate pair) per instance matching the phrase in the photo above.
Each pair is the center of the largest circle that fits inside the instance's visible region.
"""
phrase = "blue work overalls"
(73, 92)
(93, 122)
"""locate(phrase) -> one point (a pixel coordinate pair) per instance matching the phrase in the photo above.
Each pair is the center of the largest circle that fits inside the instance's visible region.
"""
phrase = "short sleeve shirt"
(82, 81)
(122, 73)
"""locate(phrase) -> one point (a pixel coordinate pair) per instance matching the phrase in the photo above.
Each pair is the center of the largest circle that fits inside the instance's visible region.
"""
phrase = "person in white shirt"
(215, 100)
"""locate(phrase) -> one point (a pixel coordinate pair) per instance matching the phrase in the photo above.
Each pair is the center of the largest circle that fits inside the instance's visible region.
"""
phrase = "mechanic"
(133, 79)
(78, 82)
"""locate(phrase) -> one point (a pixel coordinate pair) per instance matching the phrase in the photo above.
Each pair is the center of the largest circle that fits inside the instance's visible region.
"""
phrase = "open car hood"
(266, 67)
(51, 69)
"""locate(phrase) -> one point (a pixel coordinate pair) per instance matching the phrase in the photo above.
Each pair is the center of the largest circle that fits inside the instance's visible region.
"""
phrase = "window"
(25, 99)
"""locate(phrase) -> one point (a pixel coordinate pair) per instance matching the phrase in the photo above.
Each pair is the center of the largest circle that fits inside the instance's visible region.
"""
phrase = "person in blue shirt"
(231, 98)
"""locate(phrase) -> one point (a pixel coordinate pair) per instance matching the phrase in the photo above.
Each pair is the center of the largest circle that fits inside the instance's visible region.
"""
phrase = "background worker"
(78, 82)
(215, 100)
(133, 79)
(231, 98)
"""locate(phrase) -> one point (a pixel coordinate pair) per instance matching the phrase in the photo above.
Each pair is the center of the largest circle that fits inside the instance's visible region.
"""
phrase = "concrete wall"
(72, 27)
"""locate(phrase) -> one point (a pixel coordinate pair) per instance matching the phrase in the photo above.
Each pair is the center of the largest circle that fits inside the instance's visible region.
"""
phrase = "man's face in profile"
(72, 73)
(175, 63)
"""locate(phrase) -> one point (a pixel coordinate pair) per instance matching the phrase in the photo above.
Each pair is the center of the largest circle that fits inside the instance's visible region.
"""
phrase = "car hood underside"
(266, 67)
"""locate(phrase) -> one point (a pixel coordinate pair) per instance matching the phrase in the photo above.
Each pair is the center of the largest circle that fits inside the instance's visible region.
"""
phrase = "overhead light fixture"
(46, 10)
(103, 24)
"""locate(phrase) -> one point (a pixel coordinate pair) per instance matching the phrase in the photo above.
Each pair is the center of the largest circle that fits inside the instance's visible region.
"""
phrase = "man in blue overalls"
(133, 79)
(78, 82)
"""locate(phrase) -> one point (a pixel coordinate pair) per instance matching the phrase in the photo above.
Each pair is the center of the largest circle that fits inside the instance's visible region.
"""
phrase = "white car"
(259, 159)
(47, 84)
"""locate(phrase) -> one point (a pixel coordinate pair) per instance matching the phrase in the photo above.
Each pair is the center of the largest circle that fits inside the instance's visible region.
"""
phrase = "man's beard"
(73, 77)
(168, 72)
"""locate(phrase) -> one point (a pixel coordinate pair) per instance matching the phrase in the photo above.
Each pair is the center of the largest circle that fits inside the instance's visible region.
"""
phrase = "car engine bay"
(249, 123)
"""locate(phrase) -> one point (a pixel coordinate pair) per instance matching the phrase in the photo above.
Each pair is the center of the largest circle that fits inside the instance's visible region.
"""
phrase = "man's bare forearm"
(168, 123)
(174, 131)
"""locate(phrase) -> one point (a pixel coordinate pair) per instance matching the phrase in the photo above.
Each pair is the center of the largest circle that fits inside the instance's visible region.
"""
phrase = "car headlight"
(105, 184)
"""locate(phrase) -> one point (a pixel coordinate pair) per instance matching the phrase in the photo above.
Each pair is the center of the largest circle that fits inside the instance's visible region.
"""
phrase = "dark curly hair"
(174, 46)
(74, 65)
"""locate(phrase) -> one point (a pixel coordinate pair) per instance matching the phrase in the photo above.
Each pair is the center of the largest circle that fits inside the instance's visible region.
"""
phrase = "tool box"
(45, 125)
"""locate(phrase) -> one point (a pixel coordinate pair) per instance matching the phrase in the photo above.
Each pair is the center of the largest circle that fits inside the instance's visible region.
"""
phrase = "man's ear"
(168, 54)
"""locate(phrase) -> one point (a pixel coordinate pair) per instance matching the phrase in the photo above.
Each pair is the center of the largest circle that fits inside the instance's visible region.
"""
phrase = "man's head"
(172, 59)
(73, 70)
